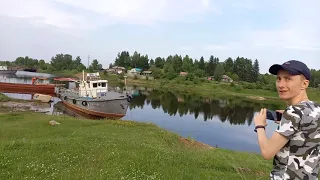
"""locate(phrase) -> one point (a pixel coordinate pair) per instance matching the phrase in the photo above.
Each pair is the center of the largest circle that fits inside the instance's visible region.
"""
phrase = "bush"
(196, 80)
(259, 85)
(247, 85)
(186, 82)
(238, 88)
(135, 77)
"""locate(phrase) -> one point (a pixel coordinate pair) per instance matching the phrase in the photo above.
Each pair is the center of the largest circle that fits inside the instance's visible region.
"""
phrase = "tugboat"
(91, 96)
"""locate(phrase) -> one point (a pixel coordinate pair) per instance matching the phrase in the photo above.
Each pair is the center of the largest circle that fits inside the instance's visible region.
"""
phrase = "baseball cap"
(294, 67)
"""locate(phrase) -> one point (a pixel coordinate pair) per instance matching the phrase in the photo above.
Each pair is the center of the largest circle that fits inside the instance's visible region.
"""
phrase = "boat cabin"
(93, 86)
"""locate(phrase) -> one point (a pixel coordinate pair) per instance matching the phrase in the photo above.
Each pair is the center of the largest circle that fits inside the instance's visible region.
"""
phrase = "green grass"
(214, 89)
(113, 149)
(4, 98)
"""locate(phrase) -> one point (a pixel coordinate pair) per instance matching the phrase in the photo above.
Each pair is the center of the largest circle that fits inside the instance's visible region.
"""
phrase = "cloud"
(299, 30)
(85, 14)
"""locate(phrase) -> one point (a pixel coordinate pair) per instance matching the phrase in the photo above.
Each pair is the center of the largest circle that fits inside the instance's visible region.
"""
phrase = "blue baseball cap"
(294, 67)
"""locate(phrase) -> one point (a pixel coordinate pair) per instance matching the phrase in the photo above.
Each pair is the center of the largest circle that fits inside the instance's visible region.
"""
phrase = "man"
(295, 144)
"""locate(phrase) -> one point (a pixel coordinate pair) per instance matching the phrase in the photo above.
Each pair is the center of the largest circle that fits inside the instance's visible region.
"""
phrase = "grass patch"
(4, 98)
(86, 149)
(216, 89)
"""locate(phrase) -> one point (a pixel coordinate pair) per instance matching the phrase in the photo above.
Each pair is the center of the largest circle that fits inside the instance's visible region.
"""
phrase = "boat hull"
(113, 108)
(27, 88)
(8, 71)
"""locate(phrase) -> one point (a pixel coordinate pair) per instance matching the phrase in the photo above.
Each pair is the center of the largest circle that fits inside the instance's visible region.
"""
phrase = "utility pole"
(88, 60)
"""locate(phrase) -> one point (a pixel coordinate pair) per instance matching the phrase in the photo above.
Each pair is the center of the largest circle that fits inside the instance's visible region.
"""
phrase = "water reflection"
(234, 110)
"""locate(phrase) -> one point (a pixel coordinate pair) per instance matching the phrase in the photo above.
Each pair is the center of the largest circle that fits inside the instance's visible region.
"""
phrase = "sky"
(270, 31)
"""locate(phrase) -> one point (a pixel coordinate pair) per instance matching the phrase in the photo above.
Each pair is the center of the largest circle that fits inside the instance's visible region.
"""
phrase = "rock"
(53, 122)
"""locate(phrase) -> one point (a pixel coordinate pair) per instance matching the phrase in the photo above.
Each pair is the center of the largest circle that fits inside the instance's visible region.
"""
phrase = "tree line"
(239, 69)
(59, 62)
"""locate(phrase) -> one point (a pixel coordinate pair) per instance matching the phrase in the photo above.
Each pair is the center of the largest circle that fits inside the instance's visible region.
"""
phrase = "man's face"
(289, 86)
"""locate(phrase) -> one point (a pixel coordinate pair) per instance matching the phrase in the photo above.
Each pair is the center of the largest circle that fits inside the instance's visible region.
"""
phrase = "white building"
(3, 68)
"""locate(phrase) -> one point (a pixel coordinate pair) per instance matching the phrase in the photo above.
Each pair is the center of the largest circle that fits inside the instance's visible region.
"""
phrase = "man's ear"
(305, 84)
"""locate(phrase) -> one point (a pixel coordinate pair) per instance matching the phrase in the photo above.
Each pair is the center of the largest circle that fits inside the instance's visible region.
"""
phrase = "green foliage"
(95, 66)
(219, 72)
(156, 72)
(4, 98)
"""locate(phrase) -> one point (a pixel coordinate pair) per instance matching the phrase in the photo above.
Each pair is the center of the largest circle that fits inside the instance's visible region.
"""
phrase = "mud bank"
(32, 106)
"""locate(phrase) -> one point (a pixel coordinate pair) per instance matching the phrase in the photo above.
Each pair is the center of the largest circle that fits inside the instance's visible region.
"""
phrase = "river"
(225, 123)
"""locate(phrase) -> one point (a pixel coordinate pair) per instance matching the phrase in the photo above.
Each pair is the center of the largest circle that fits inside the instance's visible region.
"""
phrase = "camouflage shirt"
(299, 158)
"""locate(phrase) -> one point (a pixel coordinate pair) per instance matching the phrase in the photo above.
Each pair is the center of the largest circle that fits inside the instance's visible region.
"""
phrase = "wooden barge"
(34, 87)
(27, 88)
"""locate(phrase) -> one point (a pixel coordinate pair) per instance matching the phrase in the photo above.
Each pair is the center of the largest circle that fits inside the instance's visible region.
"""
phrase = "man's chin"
(285, 98)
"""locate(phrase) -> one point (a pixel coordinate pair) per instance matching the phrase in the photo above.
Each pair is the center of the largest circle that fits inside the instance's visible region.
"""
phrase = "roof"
(64, 79)
(225, 77)
(147, 72)
(118, 67)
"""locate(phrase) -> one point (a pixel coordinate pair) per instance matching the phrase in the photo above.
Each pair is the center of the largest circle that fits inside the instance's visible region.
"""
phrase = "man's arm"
(270, 147)
(288, 126)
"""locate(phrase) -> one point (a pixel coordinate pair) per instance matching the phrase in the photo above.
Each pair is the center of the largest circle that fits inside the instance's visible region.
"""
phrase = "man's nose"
(281, 83)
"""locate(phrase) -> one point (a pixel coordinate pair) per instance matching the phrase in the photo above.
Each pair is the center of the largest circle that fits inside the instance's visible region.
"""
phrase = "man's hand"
(268, 147)
(278, 120)
(261, 118)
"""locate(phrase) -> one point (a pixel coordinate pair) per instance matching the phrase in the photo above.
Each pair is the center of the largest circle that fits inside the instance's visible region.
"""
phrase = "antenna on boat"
(82, 75)
(88, 61)
(125, 82)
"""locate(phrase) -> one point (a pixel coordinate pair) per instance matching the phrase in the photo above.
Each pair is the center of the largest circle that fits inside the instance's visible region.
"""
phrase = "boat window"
(94, 85)
(103, 84)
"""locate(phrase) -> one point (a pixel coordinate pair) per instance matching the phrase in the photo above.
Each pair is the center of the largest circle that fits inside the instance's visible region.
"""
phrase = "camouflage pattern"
(299, 158)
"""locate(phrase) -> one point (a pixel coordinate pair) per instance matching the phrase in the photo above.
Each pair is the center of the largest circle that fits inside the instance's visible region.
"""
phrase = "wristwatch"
(259, 126)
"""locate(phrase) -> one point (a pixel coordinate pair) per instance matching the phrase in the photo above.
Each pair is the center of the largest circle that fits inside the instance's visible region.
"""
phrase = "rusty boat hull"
(114, 105)
(48, 89)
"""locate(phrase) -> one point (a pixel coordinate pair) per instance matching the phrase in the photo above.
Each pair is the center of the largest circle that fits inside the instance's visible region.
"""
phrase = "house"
(3, 68)
(146, 73)
(135, 71)
(117, 69)
(183, 73)
(226, 78)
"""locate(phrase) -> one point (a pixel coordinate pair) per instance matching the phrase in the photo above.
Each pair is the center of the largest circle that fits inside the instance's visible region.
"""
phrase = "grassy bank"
(214, 89)
(84, 149)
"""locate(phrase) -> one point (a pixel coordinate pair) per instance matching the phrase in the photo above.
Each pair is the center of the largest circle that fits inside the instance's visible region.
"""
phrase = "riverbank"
(215, 89)
(87, 149)
(10, 105)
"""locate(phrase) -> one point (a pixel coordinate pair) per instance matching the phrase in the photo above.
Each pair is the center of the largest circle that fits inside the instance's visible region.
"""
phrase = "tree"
(151, 62)
(211, 66)
(201, 63)
(177, 63)
(219, 72)
(159, 62)
(95, 66)
(228, 65)
(156, 72)
(255, 71)
(62, 62)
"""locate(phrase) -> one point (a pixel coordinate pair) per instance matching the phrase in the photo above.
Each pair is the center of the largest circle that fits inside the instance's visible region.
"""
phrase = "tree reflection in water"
(236, 111)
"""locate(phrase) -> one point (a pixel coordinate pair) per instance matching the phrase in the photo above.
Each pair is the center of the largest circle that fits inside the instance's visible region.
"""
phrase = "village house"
(183, 73)
(3, 68)
(117, 70)
(146, 73)
(135, 71)
(226, 78)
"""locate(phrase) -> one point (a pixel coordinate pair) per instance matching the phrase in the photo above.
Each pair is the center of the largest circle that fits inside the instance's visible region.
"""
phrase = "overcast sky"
(271, 31)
